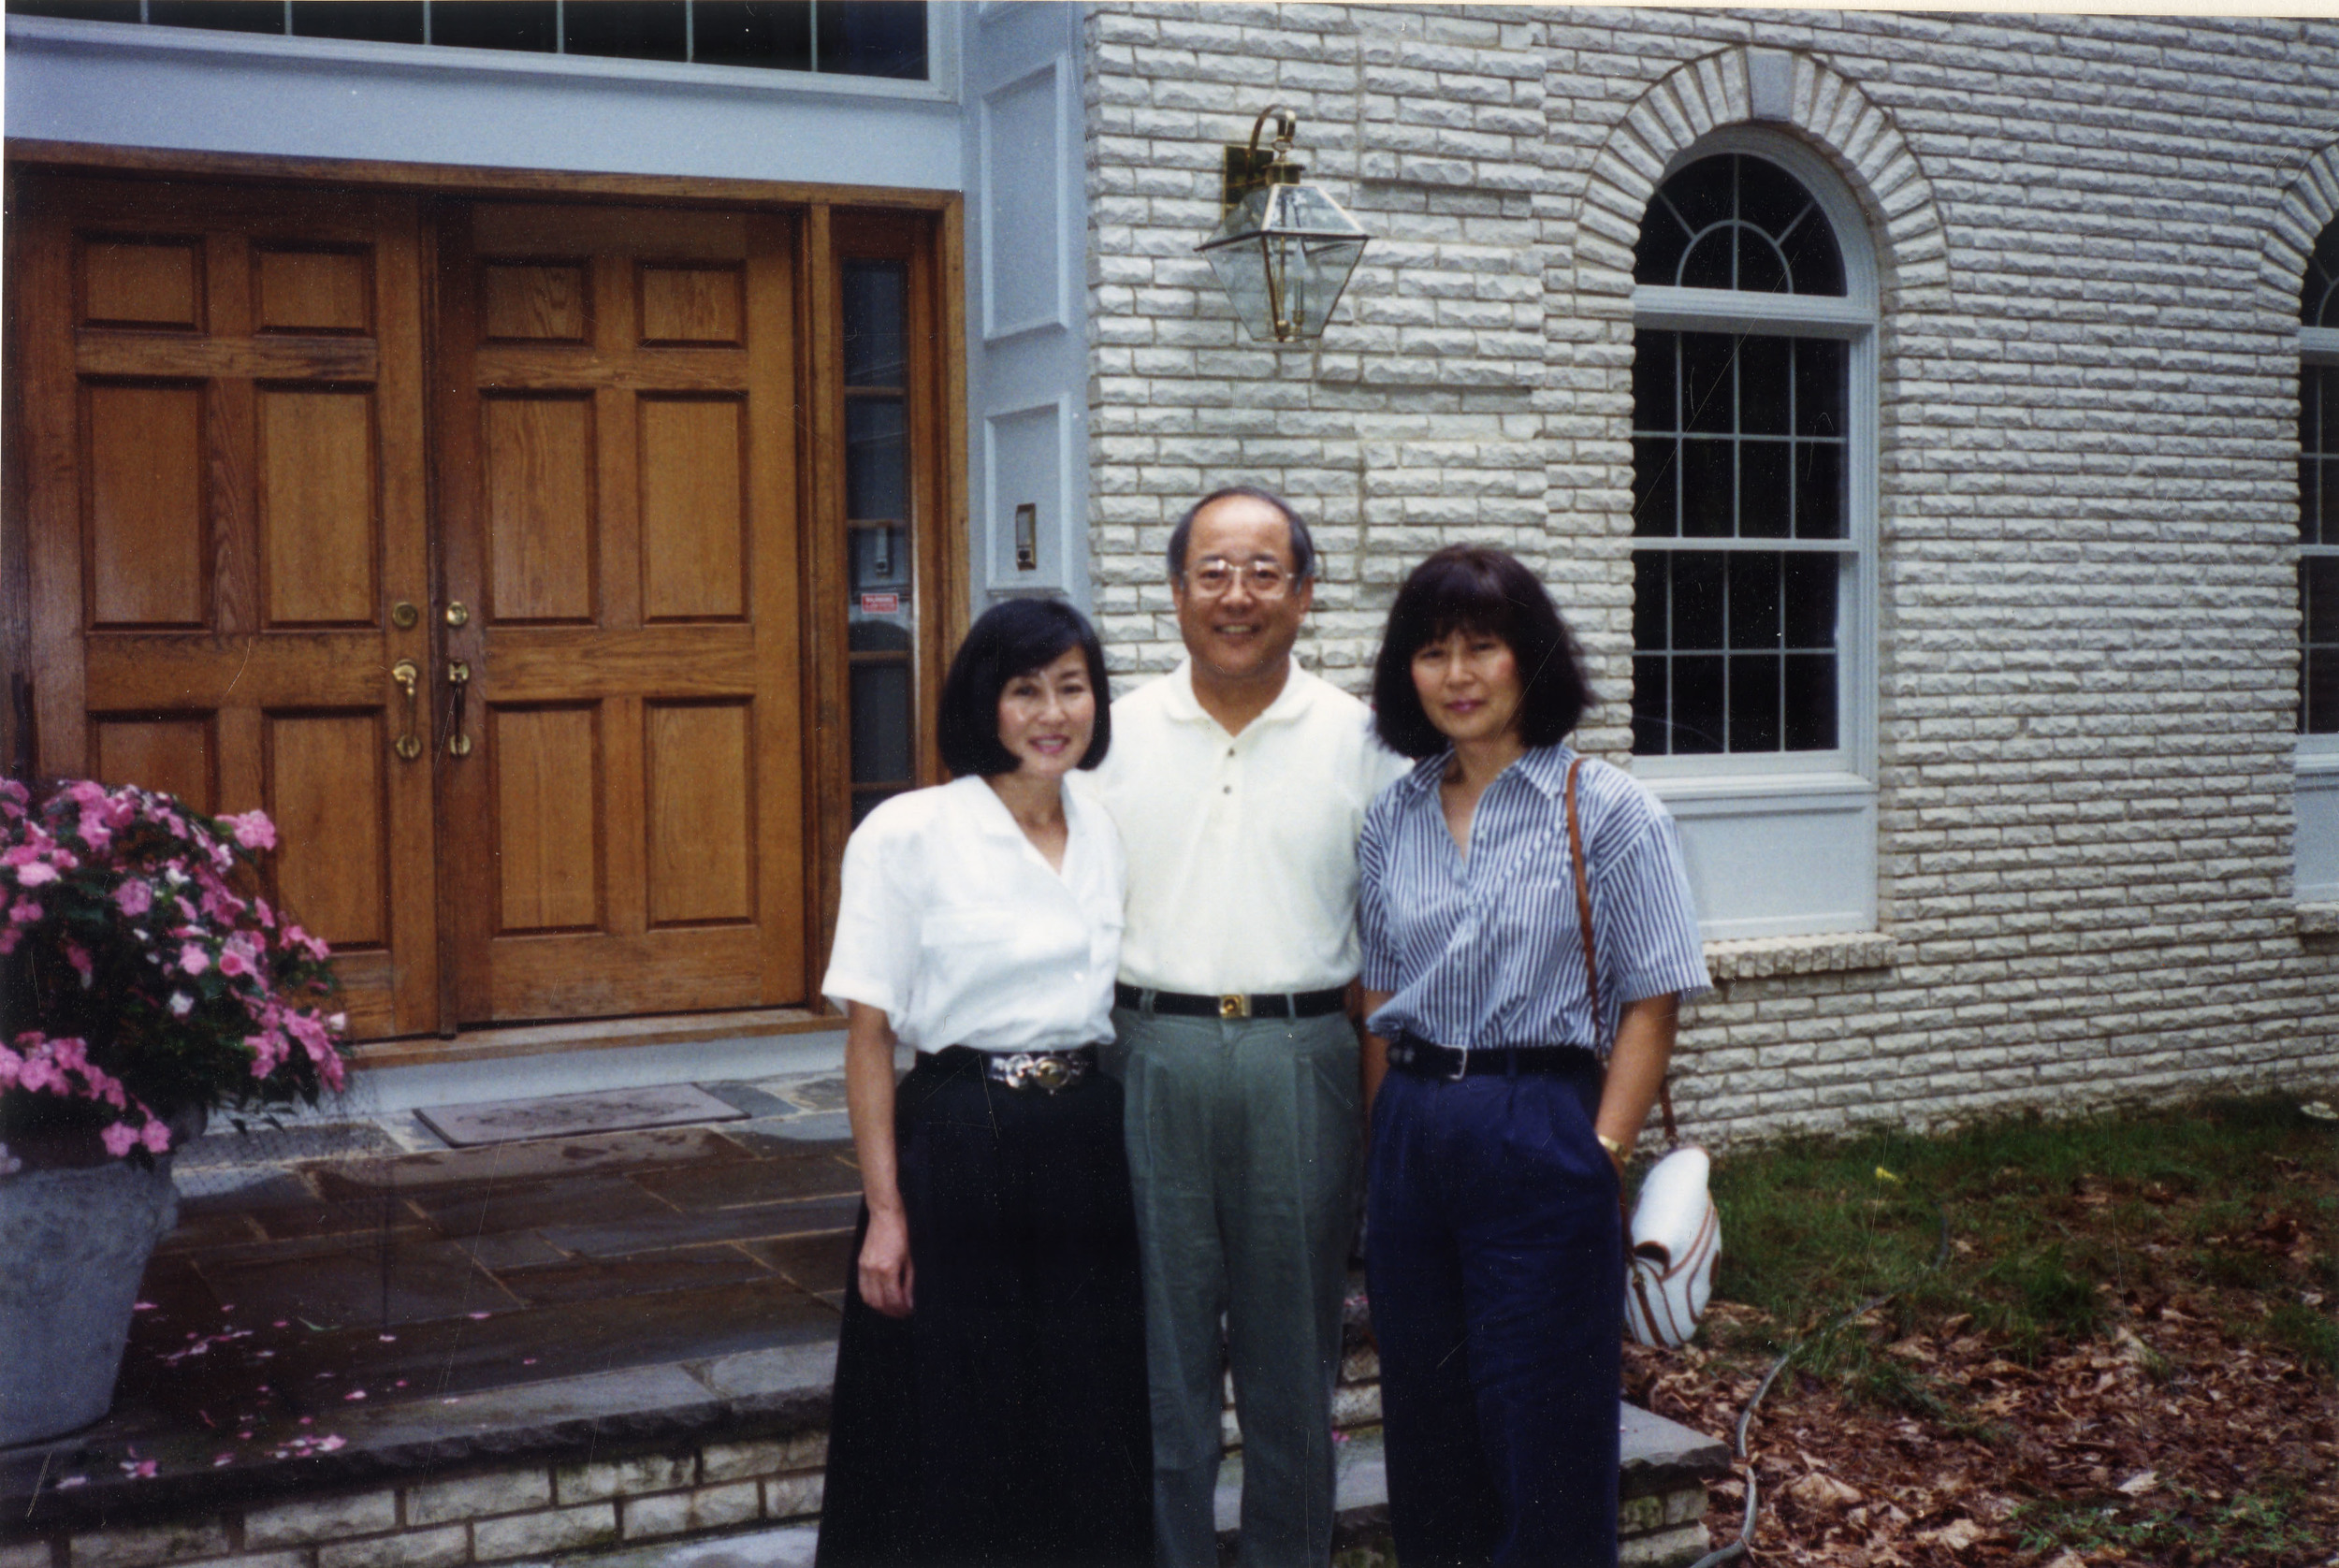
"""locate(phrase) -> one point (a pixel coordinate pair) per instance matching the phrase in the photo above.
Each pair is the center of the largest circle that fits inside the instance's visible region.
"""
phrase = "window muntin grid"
(1741, 223)
(1739, 443)
(1745, 554)
(2318, 515)
(884, 39)
(2319, 293)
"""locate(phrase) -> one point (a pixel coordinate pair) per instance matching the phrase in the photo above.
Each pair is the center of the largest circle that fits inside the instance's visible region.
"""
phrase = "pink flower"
(232, 963)
(24, 911)
(79, 957)
(33, 873)
(155, 1136)
(253, 831)
(135, 896)
(193, 960)
(120, 1140)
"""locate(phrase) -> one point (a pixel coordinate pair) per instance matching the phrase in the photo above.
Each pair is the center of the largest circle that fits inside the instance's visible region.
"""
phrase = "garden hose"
(1745, 1542)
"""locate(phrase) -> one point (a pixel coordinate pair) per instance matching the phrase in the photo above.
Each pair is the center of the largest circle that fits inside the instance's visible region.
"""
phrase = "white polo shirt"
(1242, 849)
(963, 934)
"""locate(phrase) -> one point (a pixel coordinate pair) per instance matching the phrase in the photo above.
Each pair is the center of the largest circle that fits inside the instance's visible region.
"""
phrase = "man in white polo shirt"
(1239, 782)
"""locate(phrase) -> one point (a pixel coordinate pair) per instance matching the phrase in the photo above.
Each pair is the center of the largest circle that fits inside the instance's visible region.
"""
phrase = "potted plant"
(146, 982)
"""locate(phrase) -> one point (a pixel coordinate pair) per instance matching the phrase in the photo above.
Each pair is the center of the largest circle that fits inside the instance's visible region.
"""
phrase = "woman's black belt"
(1045, 1070)
(1410, 1054)
(1186, 1004)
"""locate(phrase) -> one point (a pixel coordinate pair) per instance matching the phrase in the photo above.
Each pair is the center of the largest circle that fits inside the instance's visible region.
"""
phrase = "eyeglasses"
(1215, 576)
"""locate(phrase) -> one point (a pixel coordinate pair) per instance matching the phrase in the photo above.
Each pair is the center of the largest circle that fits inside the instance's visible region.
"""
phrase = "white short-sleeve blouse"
(960, 932)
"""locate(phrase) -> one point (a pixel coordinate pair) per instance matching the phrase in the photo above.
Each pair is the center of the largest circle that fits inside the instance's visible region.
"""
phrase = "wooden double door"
(460, 536)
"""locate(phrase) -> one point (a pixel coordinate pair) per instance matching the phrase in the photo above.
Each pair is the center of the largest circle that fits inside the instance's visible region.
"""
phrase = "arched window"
(1754, 502)
(2318, 879)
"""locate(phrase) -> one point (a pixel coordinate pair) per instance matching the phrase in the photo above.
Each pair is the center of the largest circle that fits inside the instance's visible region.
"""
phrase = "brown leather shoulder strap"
(1583, 892)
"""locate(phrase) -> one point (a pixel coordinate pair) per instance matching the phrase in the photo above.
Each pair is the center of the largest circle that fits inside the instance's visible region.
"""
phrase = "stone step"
(1665, 1469)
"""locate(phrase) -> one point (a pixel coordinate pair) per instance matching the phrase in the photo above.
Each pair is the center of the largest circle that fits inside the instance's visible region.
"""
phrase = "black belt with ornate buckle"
(1186, 1004)
(1410, 1054)
(1044, 1070)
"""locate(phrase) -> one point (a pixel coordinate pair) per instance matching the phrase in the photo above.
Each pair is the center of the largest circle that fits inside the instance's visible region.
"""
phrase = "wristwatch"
(1619, 1150)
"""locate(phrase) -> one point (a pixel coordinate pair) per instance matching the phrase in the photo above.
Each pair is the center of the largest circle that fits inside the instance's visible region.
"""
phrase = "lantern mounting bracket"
(1247, 168)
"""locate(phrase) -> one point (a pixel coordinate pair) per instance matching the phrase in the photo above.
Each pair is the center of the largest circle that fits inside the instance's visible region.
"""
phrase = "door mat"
(661, 1105)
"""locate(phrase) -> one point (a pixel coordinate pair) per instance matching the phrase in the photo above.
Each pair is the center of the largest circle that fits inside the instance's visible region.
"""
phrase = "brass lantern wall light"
(1283, 250)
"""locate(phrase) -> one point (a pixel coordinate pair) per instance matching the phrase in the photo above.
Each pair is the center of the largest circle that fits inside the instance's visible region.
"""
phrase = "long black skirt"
(1005, 1420)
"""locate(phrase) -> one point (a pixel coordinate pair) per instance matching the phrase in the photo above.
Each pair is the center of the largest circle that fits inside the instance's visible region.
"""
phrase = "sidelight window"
(880, 619)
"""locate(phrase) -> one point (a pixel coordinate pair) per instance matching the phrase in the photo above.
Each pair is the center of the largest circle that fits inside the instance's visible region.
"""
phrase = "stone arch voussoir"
(1791, 92)
(2308, 207)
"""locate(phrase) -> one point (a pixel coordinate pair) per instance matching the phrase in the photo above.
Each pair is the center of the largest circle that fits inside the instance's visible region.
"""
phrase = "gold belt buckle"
(1234, 1007)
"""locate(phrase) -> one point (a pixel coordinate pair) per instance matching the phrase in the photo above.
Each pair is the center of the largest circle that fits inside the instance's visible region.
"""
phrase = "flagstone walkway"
(359, 1332)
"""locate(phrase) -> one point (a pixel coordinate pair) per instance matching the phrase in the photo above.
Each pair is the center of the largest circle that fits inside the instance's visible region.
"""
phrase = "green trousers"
(1242, 1140)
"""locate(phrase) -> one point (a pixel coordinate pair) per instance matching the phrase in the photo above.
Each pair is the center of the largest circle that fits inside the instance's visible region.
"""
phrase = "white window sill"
(1836, 952)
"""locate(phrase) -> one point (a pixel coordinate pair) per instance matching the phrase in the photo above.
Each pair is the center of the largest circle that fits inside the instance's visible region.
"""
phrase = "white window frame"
(1783, 843)
(940, 86)
(2315, 877)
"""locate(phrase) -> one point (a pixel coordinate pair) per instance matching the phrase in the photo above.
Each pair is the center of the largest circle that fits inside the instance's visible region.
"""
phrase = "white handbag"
(1675, 1234)
(1676, 1237)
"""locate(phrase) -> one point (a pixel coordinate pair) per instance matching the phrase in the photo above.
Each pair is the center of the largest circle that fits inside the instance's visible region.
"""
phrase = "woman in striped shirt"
(1504, 1096)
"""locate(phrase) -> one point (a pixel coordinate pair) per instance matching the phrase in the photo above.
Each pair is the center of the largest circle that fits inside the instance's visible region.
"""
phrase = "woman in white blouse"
(989, 1405)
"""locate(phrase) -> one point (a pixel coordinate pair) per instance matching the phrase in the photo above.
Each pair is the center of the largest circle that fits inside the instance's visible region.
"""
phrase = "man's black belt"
(1187, 1003)
(1410, 1054)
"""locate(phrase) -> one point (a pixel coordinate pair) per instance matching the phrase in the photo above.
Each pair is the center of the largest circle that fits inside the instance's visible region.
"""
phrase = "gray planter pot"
(73, 1245)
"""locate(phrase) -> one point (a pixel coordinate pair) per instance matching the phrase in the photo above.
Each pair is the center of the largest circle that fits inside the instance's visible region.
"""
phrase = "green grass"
(2041, 1213)
(2182, 1528)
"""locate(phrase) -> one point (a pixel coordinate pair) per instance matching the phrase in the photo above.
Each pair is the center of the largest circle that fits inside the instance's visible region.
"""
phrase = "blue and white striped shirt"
(1484, 950)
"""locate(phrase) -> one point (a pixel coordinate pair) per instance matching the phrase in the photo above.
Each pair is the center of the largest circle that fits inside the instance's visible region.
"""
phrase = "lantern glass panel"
(1283, 256)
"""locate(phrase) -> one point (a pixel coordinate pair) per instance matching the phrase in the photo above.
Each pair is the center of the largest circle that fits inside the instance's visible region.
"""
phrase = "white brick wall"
(2091, 231)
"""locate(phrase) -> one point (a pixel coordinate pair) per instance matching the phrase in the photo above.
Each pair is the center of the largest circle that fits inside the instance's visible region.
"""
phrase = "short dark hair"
(1302, 543)
(1009, 639)
(1475, 588)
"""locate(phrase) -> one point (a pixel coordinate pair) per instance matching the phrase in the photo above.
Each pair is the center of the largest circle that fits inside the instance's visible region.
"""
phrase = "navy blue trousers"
(1495, 1265)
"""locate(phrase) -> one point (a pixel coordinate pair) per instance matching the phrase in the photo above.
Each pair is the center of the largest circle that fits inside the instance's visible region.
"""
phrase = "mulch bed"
(2167, 1439)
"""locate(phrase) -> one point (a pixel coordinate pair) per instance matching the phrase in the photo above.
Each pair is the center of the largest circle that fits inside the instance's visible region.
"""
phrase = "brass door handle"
(408, 745)
(459, 679)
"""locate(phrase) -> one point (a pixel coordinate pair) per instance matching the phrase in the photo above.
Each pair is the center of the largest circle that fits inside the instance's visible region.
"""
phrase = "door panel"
(617, 418)
(319, 553)
(223, 416)
(147, 540)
